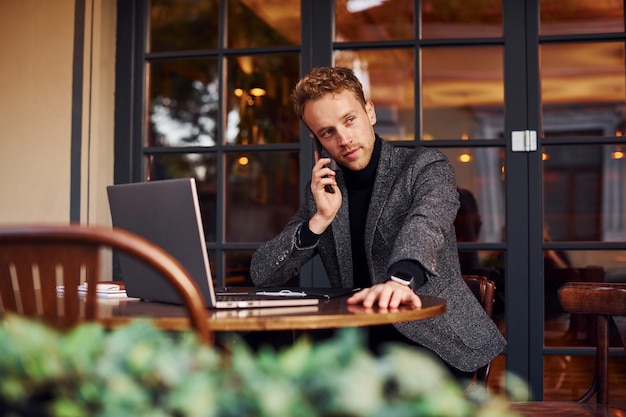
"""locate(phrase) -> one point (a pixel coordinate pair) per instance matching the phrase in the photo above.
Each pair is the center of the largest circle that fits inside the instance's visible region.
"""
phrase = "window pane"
(463, 93)
(238, 268)
(558, 17)
(372, 20)
(261, 194)
(582, 89)
(388, 80)
(203, 168)
(177, 25)
(568, 377)
(443, 19)
(256, 23)
(183, 98)
(258, 99)
(583, 193)
(481, 193)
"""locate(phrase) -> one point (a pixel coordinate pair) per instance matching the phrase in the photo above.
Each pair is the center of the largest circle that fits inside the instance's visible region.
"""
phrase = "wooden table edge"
(433, 307)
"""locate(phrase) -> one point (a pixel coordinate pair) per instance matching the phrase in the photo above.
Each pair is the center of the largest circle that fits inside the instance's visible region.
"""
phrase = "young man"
(387, 225)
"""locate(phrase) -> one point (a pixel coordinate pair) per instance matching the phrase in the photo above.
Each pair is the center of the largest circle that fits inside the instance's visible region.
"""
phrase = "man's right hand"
(387, 295)
(327, 203)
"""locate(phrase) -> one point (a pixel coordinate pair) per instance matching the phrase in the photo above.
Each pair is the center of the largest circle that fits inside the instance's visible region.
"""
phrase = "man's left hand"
(389, 295)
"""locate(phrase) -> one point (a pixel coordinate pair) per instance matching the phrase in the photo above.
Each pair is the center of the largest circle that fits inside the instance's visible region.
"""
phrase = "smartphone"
(322, 153)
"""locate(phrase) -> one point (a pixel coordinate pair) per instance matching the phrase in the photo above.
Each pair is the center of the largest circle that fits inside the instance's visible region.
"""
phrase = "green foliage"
(140, 371)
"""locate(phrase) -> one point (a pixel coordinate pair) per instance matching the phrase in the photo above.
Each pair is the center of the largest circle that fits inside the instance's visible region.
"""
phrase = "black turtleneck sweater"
(360, 185)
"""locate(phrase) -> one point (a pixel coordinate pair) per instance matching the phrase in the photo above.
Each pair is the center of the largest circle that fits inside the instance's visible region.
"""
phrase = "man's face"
(344, 127)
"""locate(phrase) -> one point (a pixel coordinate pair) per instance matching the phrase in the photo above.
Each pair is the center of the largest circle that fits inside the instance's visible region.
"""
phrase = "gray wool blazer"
(411, 216)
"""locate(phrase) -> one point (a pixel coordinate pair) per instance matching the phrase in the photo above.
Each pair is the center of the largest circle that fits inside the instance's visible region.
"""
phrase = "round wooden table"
(329, 314)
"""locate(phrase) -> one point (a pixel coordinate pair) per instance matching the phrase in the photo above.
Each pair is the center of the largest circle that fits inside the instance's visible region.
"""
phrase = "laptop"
(167, 213)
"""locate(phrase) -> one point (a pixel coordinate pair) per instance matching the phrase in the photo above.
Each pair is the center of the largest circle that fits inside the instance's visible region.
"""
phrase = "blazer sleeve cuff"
(305, 238)
(412, 268)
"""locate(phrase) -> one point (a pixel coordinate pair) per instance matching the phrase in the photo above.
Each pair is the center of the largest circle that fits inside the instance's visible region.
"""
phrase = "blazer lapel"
(343, 246)
(380, 194)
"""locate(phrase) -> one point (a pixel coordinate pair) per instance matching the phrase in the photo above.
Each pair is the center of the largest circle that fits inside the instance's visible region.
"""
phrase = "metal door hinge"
(524, 141)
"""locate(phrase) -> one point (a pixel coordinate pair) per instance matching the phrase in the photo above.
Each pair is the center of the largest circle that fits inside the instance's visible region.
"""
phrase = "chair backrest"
(484, 289)
(603, 300)
(34, 259)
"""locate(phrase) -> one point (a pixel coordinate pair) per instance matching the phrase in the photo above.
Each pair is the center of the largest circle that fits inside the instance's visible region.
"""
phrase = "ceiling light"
(355, 6)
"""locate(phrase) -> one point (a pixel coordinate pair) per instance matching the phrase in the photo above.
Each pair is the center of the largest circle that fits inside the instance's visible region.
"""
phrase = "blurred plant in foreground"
(140, 371)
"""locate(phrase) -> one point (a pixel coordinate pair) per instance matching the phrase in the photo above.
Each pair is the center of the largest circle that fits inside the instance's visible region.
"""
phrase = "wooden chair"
(484, 290)
(34, 259)
(605, 301)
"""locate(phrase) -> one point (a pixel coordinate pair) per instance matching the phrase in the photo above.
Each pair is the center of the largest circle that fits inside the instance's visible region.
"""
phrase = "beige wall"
(36, 58)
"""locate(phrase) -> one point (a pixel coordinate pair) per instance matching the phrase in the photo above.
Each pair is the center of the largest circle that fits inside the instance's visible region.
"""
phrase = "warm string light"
(618, 153)
(465, 156)
(257, 92)
(256, 88)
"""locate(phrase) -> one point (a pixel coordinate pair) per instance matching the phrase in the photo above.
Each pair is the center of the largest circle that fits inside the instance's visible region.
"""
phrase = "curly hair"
(325, 80)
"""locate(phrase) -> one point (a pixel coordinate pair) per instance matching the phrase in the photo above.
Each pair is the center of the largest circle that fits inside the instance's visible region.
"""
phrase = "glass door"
(582, 85)
(564, 182)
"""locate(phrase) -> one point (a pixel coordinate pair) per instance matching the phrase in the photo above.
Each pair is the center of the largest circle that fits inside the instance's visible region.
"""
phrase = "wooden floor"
(566, 378)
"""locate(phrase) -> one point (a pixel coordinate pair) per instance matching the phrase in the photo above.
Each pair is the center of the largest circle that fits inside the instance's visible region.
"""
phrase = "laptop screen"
(166, 213)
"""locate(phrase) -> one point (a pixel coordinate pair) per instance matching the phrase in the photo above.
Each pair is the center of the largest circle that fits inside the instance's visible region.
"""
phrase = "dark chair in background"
(484, 290)
(35, 259)
(605, 301)
(554, 280)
